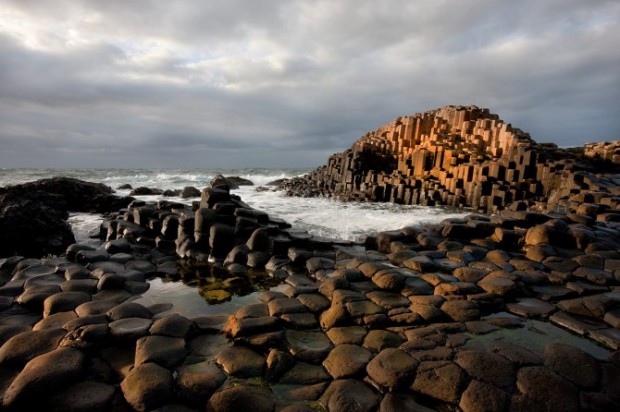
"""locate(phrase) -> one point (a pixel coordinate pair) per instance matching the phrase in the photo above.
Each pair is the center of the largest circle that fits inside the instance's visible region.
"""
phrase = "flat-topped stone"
(346, 360)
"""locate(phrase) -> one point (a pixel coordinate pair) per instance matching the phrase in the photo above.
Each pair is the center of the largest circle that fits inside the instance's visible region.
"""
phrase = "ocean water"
(325, 217)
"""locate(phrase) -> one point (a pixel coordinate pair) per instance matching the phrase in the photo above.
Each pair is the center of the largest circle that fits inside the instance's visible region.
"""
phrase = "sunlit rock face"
(461, 156)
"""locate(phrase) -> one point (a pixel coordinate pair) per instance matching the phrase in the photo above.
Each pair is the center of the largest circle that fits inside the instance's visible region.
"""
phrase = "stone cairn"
(460, 156)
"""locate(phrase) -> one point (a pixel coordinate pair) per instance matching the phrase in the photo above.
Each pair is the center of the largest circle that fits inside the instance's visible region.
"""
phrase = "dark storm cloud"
(267, 83)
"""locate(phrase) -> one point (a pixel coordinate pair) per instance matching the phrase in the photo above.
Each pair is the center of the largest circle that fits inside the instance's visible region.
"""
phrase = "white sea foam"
(319, 216)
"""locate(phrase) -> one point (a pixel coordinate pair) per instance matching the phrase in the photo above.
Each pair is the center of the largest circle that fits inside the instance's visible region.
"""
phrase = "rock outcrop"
(33, 216)
(462, 156)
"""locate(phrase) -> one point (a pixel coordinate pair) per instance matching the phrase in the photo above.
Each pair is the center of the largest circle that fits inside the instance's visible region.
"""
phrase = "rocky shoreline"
(513, 311)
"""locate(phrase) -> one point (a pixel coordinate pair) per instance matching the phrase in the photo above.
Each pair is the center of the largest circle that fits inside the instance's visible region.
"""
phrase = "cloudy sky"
(286, 83)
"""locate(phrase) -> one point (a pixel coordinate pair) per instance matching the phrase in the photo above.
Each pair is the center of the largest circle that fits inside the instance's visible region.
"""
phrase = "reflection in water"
(218, 291)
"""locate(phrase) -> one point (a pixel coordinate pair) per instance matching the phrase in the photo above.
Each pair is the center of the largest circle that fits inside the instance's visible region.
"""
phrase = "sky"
(258, 83)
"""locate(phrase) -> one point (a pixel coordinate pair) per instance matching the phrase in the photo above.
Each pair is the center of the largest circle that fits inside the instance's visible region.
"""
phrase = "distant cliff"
(461, 156)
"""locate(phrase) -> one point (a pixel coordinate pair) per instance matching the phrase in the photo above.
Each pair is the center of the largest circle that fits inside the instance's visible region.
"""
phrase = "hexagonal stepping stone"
(392, 368)
(308, 346)
(350, 395)
(378, 339)
(548, 390)
(442, 380)
(23, 347)
(481, 396)
(163, 350)
(285, 305)
(531, 308)
(64, 301)
(461, 310)
(498, 284)
(303, 373)
(572, 363)
(300, 320)
(346, 360)
(84, 396)
(388, 300)
(95, 307)
(257, 310)
(416, 286)
(45, 375)
(579, 326)
(149, 386)
(251, 326)
(456, 289)
(487, 367)
(242, 397)
(389, 279)
(130, 328)
(173, 325)
(198, 381)
(129, 310)
(363, 308)
(55, 321)
(314, 302)
(347, 334)
(241, 362)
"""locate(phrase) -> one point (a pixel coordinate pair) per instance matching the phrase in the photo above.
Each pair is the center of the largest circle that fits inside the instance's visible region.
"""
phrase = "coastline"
(354, 328)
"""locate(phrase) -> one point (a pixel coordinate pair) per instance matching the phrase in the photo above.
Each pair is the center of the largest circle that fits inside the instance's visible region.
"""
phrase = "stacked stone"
(608, 151)
(456, 156)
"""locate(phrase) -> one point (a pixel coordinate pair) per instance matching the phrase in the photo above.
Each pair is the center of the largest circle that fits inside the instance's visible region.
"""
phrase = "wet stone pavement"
(417, 319)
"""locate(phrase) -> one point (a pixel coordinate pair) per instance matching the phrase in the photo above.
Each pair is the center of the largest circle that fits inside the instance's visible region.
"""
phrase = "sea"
(325, 217)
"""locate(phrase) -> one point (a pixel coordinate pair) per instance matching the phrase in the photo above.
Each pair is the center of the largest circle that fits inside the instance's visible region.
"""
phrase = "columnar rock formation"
(456, 156)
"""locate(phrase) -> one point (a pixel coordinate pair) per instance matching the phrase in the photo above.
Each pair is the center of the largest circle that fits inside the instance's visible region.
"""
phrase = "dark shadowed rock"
(483, 397)
(241, 362)
(547, 389)
(85, 396)
(23, 347)
(197, 382)
(44, 375)
(350, 395)
(573, 364)
(148, 386)
(163, 350)
(308, 346)
(242, 398)
(488, 367)
(440, 380)
(172, 325)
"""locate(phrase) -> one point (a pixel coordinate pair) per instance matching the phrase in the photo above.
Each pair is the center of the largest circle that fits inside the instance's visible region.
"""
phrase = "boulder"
(233, 182)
